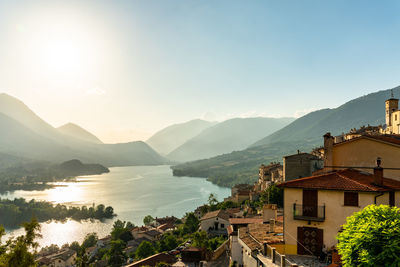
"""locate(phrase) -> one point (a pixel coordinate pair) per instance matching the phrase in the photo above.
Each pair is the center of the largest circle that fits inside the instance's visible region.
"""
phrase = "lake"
(133, 192)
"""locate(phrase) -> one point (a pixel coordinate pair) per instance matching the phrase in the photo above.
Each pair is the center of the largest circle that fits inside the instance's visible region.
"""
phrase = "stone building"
(267, 174)
(392, 116)
(300, 165)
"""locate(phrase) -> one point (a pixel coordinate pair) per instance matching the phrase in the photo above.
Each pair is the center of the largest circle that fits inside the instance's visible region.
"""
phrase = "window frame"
(351, 199)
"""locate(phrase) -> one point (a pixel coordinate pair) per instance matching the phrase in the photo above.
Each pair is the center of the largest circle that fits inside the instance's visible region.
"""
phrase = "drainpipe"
(378, 195)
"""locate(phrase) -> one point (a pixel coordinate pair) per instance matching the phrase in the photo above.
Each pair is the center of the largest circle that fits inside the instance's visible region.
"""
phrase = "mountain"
(75, 167)
(78, 132)
(24, 135)
(16, 109)
(304, 134)
(227, 136)
(171, 137)
(368, 109)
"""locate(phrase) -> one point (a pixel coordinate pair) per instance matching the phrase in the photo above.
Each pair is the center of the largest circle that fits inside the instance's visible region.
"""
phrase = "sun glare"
(63, 49)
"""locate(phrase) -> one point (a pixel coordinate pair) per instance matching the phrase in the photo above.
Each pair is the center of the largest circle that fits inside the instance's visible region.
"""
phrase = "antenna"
(392, 93)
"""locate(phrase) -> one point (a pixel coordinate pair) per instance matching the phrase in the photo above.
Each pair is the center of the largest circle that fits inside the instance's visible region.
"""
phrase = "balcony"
(308, 213)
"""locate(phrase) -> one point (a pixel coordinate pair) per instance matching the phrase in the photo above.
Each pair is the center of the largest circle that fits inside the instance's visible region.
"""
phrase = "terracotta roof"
(166, 226)
(255, 235)
(152, 233)
(218, 213)
(387, 138)
(233, 210)
(245, 220)
(64, 255)
(344, 180)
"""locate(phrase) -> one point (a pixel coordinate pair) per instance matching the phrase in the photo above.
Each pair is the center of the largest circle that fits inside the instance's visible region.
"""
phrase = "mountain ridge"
(227, 136)
(305, 133)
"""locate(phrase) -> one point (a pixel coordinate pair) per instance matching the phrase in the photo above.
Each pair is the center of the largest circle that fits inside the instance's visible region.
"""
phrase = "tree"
(75, 246)
(163, 264)
(21, 251)
(167, 243)
(89, 241)
(115, 254)
(200, 239)
(371, 237)
(121, 231)
(109, 212)
(144, 250)
(275, 195)
(148, 220)
(212, 199)
(191, 223)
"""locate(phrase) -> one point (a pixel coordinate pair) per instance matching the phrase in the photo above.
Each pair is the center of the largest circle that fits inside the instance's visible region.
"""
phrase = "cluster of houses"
(321, 189)
(63, 258)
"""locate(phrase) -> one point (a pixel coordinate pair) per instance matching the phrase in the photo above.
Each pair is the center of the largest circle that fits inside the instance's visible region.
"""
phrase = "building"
(254, 240)
(316, 207)
(200, 211)
(272, 173)
(241, 192)
(363, 130)
(300, 165)
(151, 234)
(193, 256)
(165, 220)
(361, 153)
(234, 246)
(215, 222)
(63, 258)
(392, 116)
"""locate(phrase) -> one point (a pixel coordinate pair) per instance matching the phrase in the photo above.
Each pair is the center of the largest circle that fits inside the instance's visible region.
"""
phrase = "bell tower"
(391, 105)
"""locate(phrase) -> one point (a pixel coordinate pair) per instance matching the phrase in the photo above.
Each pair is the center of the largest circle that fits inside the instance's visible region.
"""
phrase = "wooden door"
(309, 241)
(310, 203)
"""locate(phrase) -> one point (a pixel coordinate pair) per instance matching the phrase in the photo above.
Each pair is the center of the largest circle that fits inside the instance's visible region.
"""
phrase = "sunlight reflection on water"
(133, 192)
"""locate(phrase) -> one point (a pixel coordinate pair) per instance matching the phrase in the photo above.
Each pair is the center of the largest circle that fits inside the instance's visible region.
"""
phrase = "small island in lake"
(15, 212)
(36, 175)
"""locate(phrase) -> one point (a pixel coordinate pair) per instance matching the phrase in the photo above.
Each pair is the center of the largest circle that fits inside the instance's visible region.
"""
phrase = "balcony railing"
(308, 213)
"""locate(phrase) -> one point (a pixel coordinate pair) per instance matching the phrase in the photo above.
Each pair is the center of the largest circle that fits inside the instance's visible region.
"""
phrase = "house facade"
(316, 207)
(215, 222)
(300, 165)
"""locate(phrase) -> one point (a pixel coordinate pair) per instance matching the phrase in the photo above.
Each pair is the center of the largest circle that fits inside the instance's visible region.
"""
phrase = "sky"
(125, 69)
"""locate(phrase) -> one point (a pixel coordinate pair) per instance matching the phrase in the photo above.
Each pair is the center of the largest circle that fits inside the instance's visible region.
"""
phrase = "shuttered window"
(351, 199)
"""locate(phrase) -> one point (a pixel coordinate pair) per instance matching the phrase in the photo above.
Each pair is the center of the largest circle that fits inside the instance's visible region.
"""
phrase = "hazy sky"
(125, 69)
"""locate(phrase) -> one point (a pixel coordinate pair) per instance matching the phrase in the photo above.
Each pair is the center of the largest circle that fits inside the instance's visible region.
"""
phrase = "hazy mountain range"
(73, 130)
(24, 135)
(227, 136)
(173, 136)
(231, 150)
(304, 134)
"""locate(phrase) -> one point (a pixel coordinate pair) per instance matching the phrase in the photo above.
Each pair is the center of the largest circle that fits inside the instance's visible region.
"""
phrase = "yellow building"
(361, 153)
(316, 207)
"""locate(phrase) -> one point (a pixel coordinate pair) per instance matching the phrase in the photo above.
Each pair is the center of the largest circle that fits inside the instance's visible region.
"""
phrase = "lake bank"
(133, 192)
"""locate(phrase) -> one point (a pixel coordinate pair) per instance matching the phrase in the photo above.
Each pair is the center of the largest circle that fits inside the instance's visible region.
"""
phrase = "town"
(290, 217)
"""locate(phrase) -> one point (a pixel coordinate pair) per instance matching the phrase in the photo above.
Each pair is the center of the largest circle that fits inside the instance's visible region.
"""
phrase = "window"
(222, 225)
(351, 199)
(395, 117)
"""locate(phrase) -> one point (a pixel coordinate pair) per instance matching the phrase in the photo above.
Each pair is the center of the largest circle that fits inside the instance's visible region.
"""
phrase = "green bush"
(371, 237)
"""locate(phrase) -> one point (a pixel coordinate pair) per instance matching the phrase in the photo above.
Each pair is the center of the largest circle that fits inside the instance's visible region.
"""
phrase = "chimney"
(271, 225)
(378, 172)
(328, 151)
